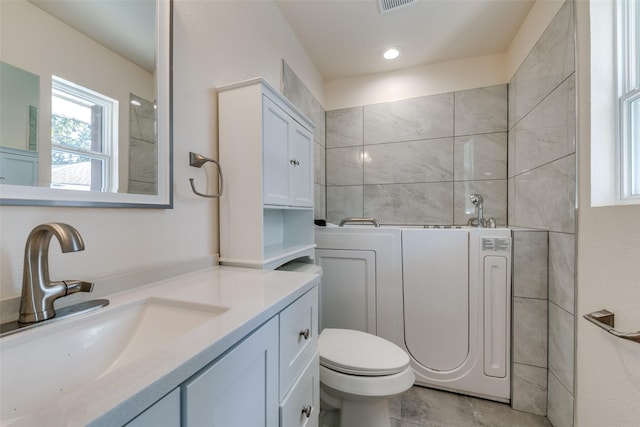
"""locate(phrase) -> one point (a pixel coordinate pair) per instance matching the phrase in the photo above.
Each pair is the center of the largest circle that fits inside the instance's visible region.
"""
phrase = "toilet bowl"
(359, 372)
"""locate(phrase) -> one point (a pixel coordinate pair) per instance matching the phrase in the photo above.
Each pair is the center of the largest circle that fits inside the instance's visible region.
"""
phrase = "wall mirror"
(85, 103)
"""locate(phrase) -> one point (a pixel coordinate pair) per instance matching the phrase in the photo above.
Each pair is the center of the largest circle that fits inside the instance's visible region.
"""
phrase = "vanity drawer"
(298, 337)
(301, 406)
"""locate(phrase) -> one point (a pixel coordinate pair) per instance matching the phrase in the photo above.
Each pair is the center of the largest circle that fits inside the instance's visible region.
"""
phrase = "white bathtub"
(443, 294)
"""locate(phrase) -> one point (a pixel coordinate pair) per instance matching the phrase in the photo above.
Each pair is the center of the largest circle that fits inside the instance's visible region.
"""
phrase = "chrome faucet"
(38, 291)
(477, 201)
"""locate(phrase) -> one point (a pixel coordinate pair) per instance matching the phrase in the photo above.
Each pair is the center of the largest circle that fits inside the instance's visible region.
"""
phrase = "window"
(628, 92)
(83, 138)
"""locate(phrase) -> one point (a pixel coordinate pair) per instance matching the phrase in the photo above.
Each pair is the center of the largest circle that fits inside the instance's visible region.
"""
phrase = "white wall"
(432, 79)
(608, 272)
(414, 82)
(215, 43)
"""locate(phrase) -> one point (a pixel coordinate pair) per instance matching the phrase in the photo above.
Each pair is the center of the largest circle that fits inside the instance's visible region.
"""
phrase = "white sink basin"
(45, 362)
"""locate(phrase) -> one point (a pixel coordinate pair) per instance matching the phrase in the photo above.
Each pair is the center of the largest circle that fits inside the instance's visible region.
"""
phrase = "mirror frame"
(20, 195)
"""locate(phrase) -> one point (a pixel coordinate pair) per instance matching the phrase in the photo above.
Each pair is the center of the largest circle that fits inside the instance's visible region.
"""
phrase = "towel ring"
(197, 160)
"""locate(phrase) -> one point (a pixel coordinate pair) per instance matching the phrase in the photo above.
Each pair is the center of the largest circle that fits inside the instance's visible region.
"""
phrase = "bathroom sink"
(39, 365)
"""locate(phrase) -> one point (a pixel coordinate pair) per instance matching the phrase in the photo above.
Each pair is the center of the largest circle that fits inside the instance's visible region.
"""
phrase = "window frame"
(65, 89)
(628, 92)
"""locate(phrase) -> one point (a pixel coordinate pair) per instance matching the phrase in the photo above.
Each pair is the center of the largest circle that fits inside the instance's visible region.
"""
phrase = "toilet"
(359, 372)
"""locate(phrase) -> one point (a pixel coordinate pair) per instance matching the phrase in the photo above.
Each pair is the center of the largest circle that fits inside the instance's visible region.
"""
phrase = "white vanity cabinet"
(241, 388)
(266, 151)
(269, 379)
(299, 363)
(165, 412)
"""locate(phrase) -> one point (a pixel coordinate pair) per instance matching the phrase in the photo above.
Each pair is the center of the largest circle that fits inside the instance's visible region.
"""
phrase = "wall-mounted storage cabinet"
(266, 148)
(18, 167)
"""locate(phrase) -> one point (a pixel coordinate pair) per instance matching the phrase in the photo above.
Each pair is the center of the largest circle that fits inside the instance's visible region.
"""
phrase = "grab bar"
(197, 160)
(606, 320)
(360, 220)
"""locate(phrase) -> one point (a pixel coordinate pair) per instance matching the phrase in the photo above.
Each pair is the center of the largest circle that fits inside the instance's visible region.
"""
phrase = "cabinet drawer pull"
(294, 162)
(305, 333)
(307, 410)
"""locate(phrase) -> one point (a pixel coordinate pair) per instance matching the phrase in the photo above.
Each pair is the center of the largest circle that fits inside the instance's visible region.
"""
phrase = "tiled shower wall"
(542, 168)
(416, 161)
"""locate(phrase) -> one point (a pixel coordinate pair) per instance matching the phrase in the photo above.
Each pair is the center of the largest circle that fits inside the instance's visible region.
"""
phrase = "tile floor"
(424, 407)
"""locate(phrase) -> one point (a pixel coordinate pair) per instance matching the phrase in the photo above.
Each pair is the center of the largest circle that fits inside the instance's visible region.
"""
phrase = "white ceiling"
(126, 27)
(345, 37)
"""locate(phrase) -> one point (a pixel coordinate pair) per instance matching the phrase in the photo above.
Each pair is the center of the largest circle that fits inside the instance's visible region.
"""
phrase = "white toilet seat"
(358, 387)
(359, 353)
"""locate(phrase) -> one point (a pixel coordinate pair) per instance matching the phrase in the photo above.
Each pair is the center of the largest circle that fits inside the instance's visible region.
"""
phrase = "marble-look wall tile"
(138, 187)
(345, 127)
(319, 164)
(511, 201)
(411, 204)
(344, 166)
(482, 110)
(494, 193)
(560, 403)
(142, 164)
(530, 261)
(529, 389)
(511, 154)
(562, 270)
(344, 202)
(319, 205)
(547, 133)
(142, 120)
(530, 331)
(561, 340)
(409, 120)
(481, 156)
(511, 101)
(545, 196)
(550, 62)
(298, 93)
(428, 160)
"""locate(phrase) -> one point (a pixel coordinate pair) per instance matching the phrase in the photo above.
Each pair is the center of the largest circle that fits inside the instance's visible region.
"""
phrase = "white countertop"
(251, 296)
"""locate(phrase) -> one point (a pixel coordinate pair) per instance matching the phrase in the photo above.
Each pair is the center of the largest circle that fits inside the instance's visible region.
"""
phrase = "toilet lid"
(359, 353)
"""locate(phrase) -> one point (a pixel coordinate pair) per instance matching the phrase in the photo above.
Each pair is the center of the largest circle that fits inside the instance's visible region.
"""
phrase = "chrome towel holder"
(198, 160)
(606, 320)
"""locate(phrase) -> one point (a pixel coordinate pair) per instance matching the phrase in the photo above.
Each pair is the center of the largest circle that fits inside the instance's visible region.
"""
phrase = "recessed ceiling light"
(391, 53)
(136, 103)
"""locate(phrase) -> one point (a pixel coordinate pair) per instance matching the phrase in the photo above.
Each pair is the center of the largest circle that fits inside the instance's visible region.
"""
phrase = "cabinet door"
(240, 389)
(275, 148)
(301, 166)
(165, 412)
(17, 169)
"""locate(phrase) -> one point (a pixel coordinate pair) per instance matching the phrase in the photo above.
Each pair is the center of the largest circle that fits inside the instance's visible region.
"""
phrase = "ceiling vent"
(389, 5)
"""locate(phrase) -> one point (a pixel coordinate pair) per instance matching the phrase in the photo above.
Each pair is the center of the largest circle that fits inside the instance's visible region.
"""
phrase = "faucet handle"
(74, 286)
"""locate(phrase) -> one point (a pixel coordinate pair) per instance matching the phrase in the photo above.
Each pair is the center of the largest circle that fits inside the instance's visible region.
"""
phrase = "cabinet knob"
(307, 410)
(305, 333)
(294, 162)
